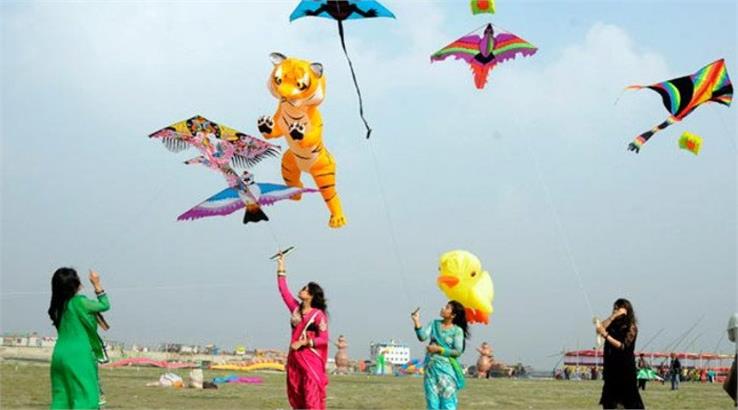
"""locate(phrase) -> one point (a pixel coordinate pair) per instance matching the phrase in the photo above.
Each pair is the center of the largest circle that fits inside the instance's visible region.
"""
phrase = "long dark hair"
(318, 295)
(460, 318)
(630, 318)
(64, 285)
(627, 324)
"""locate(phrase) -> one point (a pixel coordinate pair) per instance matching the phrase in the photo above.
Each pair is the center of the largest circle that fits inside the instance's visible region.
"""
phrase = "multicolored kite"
(251, 196)
(222, 148)
(341, 10)
(483, 52)
(227, 146)
(690, 142)
(682, 95)
(482, 6)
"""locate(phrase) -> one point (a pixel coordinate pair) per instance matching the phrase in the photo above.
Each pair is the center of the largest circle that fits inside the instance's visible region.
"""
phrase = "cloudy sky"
(531, 174)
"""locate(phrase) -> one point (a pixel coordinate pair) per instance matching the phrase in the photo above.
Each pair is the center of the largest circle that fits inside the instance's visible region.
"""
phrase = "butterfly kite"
(682, 95)
(483, 52)
(482, 6)
(223, 148)
(341, 10)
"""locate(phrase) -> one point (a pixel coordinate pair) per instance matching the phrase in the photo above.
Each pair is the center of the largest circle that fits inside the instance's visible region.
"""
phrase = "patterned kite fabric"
(485, 50)
(643, 138)
(690, 142)
(220, 145)
(248, 197)
(223, 203)
(683, 95)
(482, 6)
(340, 10)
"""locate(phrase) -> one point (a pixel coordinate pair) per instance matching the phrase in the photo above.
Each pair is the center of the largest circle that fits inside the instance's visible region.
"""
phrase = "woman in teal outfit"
(443, 373)
(74, 378)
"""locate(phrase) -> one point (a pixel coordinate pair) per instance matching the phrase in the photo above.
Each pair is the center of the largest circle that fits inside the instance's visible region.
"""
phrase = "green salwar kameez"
(74, 379)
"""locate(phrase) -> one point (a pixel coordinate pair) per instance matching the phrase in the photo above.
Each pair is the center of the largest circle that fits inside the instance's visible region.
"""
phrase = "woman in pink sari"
(306, 376)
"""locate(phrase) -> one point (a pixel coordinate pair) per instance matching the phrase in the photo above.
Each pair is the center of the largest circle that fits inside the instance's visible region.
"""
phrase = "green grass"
(26, 385)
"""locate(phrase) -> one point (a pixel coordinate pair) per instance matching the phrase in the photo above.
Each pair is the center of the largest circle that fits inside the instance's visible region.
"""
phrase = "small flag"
(690, 142)
(483, 6)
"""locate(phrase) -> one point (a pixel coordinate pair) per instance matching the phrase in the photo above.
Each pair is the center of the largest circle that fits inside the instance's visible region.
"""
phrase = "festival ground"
(27, 386)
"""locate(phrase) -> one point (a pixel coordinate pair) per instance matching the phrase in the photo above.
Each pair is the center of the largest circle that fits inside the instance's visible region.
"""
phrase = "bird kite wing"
(173, 140)
(244, 150)
(271, 193)
(223, 203)
(484, 51)
(248, 150)
(508, 46)
(464, 48)
(340, 10)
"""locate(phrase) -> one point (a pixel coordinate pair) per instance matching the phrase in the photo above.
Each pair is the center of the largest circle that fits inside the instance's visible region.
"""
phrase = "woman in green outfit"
(74, 381)
(444, 376)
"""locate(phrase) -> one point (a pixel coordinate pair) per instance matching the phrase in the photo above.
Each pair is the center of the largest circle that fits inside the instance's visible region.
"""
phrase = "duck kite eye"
(473, 274)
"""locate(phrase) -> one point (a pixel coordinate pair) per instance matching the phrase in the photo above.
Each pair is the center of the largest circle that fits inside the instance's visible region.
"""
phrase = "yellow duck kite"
(461, 278)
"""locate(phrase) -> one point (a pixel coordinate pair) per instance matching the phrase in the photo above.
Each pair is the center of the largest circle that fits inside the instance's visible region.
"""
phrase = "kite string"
(116, 240)
(390, 225)
(559, 225)
(7, 295)
(620, 96)
(643, 348)
(353, 75)
(393, 237)
(274, 236)
(725, 130)
(676, 342)
(477, 29)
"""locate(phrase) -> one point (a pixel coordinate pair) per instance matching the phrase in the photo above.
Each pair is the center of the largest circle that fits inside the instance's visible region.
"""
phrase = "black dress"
(619, 369)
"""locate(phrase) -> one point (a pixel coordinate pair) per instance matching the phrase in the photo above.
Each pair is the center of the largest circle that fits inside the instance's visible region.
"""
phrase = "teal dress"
(74, 379)
(443, 374)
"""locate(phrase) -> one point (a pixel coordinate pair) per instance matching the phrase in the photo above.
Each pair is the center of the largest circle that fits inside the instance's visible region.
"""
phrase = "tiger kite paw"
(297, 131)
(337, 221)
(265, 124)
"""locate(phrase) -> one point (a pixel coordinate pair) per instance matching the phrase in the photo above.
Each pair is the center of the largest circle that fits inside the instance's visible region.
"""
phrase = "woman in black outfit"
(619, 371)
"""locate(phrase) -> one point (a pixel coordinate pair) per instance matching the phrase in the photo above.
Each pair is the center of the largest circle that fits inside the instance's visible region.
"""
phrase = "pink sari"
(306, 377)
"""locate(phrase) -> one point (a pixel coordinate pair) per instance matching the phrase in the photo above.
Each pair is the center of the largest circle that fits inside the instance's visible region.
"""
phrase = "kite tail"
(481, 73)
(353, 75)
(254, 214)
(638, 142)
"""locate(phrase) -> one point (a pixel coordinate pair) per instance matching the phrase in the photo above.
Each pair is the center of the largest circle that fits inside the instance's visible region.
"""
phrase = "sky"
(531, 174)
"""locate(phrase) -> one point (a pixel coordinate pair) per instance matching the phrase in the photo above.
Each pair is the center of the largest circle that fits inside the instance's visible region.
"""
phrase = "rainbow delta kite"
(682, 95)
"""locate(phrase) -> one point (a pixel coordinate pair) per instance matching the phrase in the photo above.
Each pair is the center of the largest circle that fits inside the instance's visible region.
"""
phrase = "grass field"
(24, 385)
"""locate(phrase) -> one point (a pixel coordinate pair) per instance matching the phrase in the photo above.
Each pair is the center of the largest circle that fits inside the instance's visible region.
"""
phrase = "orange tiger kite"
(300, 87)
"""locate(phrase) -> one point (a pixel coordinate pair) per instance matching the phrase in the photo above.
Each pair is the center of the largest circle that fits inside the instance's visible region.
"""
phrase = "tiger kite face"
(296, 81)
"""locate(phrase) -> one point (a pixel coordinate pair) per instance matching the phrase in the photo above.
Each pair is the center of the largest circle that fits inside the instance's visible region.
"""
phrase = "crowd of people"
(75, 380)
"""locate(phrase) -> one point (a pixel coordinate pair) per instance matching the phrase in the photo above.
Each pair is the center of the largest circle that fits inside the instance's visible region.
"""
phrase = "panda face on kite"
(247, 178)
